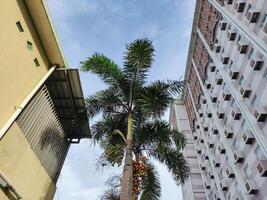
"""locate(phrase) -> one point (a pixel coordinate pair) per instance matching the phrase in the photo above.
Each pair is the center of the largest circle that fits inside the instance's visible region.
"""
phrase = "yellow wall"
(18, 74)
(23, 168)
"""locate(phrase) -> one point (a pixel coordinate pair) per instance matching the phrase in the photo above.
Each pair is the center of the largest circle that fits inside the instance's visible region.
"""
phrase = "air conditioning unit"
(233, 73)
(242, 47)
(205, 127)
(223, 185)
(256, 64)
(253, 16)
(229, 2)
(208, 85)
(251, 187)
(212, 68)
(216, 162)
(236, 114)
(262, 168)
(222, 25)
(220, 114)
(202, 167)
(239, 6)
(231, 35)
(211, 176)
(245, 91)
(225, 59)
(218, 80)
(226, 96)
(209, 115)
(221, 149)
(238, 156)
(215, 131)
(211, 143)
(248, 137)
(260, 114)
(204, 101)
(217, 48)
(207, 185)
(199, 151)
(228, 133)
(229, 173)
(213, 99)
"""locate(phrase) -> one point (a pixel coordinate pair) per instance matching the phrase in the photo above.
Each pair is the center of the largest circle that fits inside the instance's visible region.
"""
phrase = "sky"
(87, 26)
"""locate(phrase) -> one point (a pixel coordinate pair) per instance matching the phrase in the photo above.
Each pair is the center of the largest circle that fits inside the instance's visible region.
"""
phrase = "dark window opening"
(19, 26)
(36, 62)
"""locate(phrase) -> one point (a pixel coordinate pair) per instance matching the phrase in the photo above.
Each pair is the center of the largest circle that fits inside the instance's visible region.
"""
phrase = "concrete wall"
(18, 73)
(22, 167)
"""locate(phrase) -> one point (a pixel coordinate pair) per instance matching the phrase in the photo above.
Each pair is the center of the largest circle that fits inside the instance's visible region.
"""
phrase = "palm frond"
(151, 189)
(102, 66)
(175, 162)
(179, 139)
(137, 60)
(154, 99)
(107, 102)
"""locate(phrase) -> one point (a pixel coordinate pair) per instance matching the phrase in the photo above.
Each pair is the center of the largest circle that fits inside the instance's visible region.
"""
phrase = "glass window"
(19, 26)
(247, 171)
(255, 101)
(259, 153)
(249, 6)
(244, 125)
(265, 75)
(236, 143)
(29, 45)
(36, 62)
(250, 52)
(231, 64)
(264, 20)
(238, 39)
(241, 80)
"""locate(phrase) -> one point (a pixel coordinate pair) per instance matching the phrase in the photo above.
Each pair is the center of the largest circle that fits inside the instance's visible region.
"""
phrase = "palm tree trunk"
(127, 177)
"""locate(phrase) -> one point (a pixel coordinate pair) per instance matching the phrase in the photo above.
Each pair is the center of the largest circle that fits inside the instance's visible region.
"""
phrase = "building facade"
(225, 97)
(42, 109)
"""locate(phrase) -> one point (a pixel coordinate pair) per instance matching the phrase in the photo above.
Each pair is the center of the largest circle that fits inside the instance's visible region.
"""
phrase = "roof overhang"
(39, 14)
(65, 89)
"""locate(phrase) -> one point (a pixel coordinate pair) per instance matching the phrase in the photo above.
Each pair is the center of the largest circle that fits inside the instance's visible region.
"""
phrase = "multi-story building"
(225, 97)
(41, 103)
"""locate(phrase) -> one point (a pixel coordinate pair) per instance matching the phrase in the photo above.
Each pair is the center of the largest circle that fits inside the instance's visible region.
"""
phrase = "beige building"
(42, 108)
(225, 98)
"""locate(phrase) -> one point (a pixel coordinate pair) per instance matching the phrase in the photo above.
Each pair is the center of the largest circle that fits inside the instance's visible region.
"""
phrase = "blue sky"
(88, 26)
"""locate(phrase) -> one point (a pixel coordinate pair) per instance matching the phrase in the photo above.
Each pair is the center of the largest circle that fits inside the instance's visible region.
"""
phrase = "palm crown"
(131, 120)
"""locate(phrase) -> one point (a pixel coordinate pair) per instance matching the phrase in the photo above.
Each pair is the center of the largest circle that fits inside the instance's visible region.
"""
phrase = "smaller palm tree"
(131, 127)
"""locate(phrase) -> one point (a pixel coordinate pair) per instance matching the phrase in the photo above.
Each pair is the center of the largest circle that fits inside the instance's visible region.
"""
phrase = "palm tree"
(131, 116)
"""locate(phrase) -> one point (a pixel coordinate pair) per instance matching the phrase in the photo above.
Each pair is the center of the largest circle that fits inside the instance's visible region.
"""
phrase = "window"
(247, 171)
(250, 52)
(231, 64)
(264, 20)
(29, 45)
(255, 101)
(238, 39)
(236, 144)
(36, 62)
(244, 125)
(265, 75)
(19, 26)
(249, 6)
(240, 82)
(259, 153)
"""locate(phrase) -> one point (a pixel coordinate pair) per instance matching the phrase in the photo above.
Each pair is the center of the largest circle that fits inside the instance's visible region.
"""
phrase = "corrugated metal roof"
(66, 92)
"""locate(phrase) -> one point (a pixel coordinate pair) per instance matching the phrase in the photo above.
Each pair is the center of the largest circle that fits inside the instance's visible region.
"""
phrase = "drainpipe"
(5, 184)
(15, 115)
